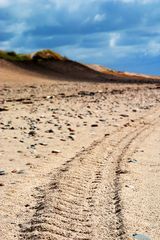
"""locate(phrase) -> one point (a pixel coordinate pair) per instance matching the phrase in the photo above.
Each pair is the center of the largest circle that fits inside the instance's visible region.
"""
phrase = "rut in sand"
(83, 199)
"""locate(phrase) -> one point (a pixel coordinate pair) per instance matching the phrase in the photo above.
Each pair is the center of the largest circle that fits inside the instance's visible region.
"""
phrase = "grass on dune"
(37, 56)
(47, 55)
(12, 56)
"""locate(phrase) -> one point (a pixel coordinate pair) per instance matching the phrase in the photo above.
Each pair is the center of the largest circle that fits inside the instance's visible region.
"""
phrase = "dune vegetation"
(37, 56)
(13, 56)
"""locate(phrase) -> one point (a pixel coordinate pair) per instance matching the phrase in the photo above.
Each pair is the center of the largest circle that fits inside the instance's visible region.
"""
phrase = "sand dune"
(65, 70)
(79, 153)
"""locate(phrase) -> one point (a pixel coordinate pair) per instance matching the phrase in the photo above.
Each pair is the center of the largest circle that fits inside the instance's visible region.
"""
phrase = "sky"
(119, 34)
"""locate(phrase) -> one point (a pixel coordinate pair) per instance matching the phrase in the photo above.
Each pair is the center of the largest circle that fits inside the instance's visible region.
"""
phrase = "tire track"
(109, 217)
(131, 139)
(83, 199)
(63, 208)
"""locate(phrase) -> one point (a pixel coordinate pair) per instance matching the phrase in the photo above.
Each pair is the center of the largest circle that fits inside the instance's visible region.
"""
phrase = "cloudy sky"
(120, 34)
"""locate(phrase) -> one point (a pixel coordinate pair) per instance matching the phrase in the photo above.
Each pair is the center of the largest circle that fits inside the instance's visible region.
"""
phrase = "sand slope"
(65, 152)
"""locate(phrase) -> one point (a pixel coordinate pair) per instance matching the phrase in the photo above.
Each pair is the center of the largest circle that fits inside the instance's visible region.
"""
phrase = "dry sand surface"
(79, 160)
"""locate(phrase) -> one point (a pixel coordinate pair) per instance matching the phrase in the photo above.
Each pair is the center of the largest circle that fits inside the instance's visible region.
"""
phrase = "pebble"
(2, 172)
(56, 151)
(72, 133)
(71, 129)
(49, 97)
(102, 120)
(43, 144)
(3, 109)
(94, 125)
(11, 160)
(107, 134)
(139, 237)
(49, 131)
(28, 164)
(20, 172)
(124, 115)
(1, 184)
(32, 133)
(50, 122)
(33, 146)
(132, 160)
(27, 205)
(126, 125)
(63, 140)
(130, 186)
(71, 137)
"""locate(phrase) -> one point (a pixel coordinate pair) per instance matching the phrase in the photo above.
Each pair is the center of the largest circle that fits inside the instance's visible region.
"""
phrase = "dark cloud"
(46, 42)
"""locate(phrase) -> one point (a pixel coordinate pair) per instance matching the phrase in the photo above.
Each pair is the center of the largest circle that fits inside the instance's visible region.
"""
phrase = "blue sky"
(120, 34)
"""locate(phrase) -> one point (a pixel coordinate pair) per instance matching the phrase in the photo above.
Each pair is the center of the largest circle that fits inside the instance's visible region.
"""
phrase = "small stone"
(120, 171)
(20, 172)
(50, 122)
(94, 125)
(126, 125)
(50, 131)
(33, 146)
(27, 205)
(107, 134)
(72, 133)
(56, 151)
(71, 129)
(136, 236)
(43, 144)
(129, 186)
(3, 109)
(71, 137)
(32, 133)
(49, 97)
(1, 184)
(63, 140)
(132, 161)
(102, 120)
(2, 172)
(28, 164)
(124, 115)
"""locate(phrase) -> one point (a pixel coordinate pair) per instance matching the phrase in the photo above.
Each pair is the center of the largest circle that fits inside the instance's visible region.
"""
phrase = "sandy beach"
(79, 159)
